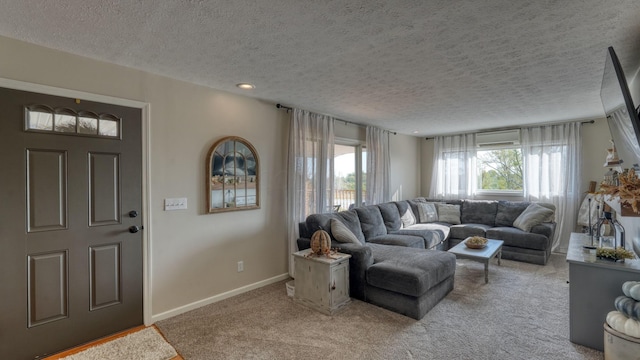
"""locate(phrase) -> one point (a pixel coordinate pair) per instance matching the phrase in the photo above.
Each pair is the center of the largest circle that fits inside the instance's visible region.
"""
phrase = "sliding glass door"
(350, 175)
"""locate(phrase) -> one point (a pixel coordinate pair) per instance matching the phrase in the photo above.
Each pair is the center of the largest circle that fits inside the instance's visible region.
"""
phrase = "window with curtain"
(553, 166)
(311, 174)
(312, 184)
(454, 167)
(550, 171)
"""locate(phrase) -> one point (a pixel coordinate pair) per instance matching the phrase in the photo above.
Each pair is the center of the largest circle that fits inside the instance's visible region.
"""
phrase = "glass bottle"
(604, 232)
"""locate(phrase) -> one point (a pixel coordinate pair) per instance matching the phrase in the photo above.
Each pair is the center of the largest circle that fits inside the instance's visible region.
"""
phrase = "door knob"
(134, 229)
(133, 213)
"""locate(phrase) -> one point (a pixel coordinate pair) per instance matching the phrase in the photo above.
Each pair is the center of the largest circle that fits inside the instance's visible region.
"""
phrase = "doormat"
(146, 344)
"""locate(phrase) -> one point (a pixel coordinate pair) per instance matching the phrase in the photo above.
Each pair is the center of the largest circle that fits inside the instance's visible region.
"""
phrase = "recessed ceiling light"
(414, 132)
(246, 86)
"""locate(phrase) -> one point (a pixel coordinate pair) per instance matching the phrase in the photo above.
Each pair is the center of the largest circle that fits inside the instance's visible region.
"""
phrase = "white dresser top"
(576, 255)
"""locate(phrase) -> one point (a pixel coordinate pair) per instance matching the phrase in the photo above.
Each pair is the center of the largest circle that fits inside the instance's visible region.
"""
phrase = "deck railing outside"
(342, 200)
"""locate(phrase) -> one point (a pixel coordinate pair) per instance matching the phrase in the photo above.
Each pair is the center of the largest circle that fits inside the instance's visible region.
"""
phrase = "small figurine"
(612, 156)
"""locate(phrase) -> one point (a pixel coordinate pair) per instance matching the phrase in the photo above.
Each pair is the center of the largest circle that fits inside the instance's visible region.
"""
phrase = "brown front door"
(71, 185)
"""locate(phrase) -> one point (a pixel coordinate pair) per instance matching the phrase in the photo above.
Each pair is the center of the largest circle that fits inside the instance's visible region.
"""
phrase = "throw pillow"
(508, 212)
(427, 212)
(533, 215)
(449, 213)
(342, 233)
(408, 218)
(552, 217)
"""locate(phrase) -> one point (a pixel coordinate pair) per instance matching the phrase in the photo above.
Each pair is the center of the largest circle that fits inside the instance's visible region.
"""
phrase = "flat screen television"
(622, 116)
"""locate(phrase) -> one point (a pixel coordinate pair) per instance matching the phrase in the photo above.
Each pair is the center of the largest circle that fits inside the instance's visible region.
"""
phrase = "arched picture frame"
(233, 176)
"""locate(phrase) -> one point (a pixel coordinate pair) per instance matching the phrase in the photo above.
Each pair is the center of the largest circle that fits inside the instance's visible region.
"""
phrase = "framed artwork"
(233, 176)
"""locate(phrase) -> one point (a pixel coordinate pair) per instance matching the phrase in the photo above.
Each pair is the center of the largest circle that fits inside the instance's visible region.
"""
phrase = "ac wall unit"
(498, 138)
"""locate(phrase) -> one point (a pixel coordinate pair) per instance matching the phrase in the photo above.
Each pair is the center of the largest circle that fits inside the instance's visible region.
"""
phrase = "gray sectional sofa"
(399, 259)
(495, 220)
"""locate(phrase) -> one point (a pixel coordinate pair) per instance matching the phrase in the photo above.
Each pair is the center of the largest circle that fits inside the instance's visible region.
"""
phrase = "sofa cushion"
(412, 241)
(550, 206)
(479, 212)
(464, 231)
(430, 238)
(341, 233)
(390, 215)
(546, 229)
(517, 238)
(533, 215)
(408, 218)
(317, 222)
(441, 229)
(427, 212)
(448, 213)
(371, 221)
(409, 271)
(406, 214)
(352, 222)
(508, 211)
(413, 204)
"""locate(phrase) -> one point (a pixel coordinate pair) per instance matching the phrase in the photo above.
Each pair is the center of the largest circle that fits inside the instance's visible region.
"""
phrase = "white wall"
(194, 255)
(595, 142)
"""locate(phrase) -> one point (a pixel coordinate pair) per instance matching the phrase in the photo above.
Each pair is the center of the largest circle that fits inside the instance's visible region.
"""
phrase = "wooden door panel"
(46, 190)
(104, 189)
(48, 288)
(105, 268)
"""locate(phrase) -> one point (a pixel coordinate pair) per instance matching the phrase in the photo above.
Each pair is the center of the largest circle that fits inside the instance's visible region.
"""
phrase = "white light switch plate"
(175, 204)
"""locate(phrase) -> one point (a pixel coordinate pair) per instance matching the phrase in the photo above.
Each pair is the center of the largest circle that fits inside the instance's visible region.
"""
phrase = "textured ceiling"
(431, 66)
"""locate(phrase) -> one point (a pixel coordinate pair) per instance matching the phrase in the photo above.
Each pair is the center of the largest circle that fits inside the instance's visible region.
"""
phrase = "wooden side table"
(322, 283)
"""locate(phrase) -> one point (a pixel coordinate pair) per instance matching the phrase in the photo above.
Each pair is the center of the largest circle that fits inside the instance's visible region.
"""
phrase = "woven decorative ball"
(320, 242)
(475, 242)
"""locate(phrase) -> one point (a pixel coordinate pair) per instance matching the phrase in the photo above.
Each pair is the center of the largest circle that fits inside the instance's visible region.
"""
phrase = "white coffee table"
(493, 248)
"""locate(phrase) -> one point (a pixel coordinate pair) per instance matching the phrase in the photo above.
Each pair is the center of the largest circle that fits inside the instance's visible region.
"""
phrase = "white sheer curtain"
(552, 171)
(454, 164)
(310, 177)
(624, 137)
(378, 165)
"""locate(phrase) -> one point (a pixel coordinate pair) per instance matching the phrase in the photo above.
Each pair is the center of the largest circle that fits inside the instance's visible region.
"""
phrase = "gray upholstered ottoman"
(409, 281)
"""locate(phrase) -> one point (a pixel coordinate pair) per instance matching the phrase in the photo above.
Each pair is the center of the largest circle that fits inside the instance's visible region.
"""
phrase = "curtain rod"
(280, 106)
(512, 128)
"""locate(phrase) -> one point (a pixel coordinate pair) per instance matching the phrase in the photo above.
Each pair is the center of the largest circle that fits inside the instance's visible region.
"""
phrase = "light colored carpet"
(522, 313)
(146, 344)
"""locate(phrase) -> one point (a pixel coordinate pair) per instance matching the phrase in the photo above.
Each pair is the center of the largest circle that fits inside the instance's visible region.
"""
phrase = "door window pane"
(88, 125)
(38, 120)
(108, 127)
(65, 123)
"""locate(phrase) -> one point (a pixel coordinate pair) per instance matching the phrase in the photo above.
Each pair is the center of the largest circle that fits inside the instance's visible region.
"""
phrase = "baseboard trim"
(216, 298)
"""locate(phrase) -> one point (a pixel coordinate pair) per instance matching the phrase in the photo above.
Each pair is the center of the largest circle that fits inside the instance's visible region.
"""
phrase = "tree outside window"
(500, 169)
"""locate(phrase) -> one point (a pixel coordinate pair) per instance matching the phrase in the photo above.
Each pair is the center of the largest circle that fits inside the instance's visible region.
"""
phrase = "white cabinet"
(322, 283)
(593, 288)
